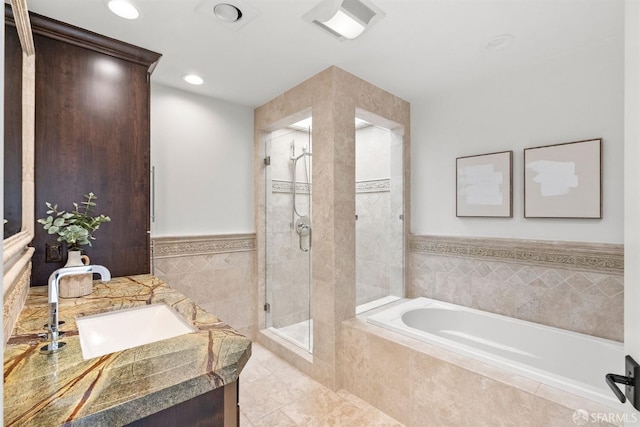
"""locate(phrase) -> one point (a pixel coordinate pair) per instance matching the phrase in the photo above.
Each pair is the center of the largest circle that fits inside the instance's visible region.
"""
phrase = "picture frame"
(564, 180)
(484, 185)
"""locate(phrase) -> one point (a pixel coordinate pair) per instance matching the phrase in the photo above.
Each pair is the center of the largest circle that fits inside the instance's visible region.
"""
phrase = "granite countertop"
(120, 387)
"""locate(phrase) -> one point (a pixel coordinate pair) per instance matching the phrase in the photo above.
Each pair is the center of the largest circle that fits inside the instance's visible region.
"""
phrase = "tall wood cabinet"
(93, 135)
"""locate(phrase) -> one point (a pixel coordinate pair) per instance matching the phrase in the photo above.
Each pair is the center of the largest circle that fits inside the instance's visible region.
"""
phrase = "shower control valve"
(303, 228)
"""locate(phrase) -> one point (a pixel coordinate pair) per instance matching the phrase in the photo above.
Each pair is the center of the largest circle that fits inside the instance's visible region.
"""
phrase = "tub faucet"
(54, 283)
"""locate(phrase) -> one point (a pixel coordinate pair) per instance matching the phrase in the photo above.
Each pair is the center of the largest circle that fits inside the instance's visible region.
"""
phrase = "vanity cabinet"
(217, 408)
(187, 380)
(92, 134)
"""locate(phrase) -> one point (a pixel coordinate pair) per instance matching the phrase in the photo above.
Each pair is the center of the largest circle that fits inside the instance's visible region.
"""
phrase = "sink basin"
(119, 330)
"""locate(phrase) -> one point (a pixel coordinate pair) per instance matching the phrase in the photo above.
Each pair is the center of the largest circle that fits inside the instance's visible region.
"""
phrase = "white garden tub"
(570, 361)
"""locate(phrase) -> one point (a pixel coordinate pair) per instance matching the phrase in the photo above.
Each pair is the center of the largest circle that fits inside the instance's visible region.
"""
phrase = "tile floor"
(273, 393)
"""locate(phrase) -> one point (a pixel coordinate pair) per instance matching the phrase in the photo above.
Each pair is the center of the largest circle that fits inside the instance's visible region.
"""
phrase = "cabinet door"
(216, 408)
(92, 135)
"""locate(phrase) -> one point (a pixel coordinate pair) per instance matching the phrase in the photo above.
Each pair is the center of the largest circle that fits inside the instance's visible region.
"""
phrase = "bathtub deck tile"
(355, 400)
(420, 347)
(573, 402)
(449, 393)
(448, 389)
(391, 400)
(555, 415)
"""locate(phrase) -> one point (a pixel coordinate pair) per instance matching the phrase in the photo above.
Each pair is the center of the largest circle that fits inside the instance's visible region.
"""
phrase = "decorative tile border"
(373, 186)
(596, 257)
(280, 186)
(169, 247)
(365, 186)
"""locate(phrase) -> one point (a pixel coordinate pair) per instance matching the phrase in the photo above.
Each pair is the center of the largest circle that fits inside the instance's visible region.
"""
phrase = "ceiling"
(419, 48)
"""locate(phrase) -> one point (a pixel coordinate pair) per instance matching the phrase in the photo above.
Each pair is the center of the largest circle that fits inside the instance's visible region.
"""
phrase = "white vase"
(76, 285)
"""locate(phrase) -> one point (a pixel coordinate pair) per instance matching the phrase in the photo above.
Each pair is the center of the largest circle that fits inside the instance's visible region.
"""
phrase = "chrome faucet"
(54, 283)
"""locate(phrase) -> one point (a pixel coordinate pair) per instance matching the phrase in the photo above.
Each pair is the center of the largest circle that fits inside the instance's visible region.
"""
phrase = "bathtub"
(570, 361)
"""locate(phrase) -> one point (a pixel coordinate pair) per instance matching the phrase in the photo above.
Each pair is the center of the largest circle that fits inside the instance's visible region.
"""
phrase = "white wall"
(202, 150)
(573, 97)
(632, 181)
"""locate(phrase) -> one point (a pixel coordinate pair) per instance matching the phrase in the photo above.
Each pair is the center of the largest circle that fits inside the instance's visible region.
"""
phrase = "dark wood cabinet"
(217, 408)
(93, 135)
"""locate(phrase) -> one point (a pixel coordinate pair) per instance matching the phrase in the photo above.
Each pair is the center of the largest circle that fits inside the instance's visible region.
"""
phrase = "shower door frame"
(398, 177)
(269, 263)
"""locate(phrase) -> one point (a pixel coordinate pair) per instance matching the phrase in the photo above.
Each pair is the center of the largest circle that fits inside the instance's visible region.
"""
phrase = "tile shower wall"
(288, 268)
(216, 272)
(379, 242)
(373, 237)
(573, 286)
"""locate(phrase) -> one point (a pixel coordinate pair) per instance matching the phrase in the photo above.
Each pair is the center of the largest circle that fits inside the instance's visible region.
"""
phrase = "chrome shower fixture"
(295, 159)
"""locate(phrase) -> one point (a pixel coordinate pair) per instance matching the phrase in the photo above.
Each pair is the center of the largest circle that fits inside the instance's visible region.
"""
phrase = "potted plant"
(75, 228)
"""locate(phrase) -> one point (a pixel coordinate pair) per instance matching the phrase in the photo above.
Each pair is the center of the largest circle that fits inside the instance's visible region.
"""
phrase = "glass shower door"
(289, 234)
(379, 215)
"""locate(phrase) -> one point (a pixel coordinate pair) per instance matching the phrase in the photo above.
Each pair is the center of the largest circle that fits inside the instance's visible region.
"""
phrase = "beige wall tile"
(222, 281)
(584, 301)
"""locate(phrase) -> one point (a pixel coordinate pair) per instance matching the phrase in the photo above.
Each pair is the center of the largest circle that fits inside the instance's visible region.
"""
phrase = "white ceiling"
(419, 48)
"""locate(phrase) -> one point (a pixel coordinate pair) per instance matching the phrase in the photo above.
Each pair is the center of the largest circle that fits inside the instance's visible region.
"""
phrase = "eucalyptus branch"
(75, 227)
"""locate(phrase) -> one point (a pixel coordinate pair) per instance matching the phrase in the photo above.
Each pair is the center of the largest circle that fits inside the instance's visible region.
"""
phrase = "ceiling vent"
(344, 19)
(231, 14)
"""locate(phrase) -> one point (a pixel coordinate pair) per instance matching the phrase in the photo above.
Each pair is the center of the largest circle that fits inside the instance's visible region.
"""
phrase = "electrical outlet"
(53, 252)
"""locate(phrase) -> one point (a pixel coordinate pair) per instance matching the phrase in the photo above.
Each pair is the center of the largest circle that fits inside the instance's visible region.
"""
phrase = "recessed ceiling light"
(192, 79)
(500, 42)
(227, 12)
(124, 9)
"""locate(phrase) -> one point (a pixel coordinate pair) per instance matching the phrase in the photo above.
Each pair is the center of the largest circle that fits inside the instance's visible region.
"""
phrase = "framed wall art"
(484, 185)
(563, 180)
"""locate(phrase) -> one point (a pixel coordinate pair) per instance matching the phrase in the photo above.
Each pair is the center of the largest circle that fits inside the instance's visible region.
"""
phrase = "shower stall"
(289, 233)
(307, 192)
